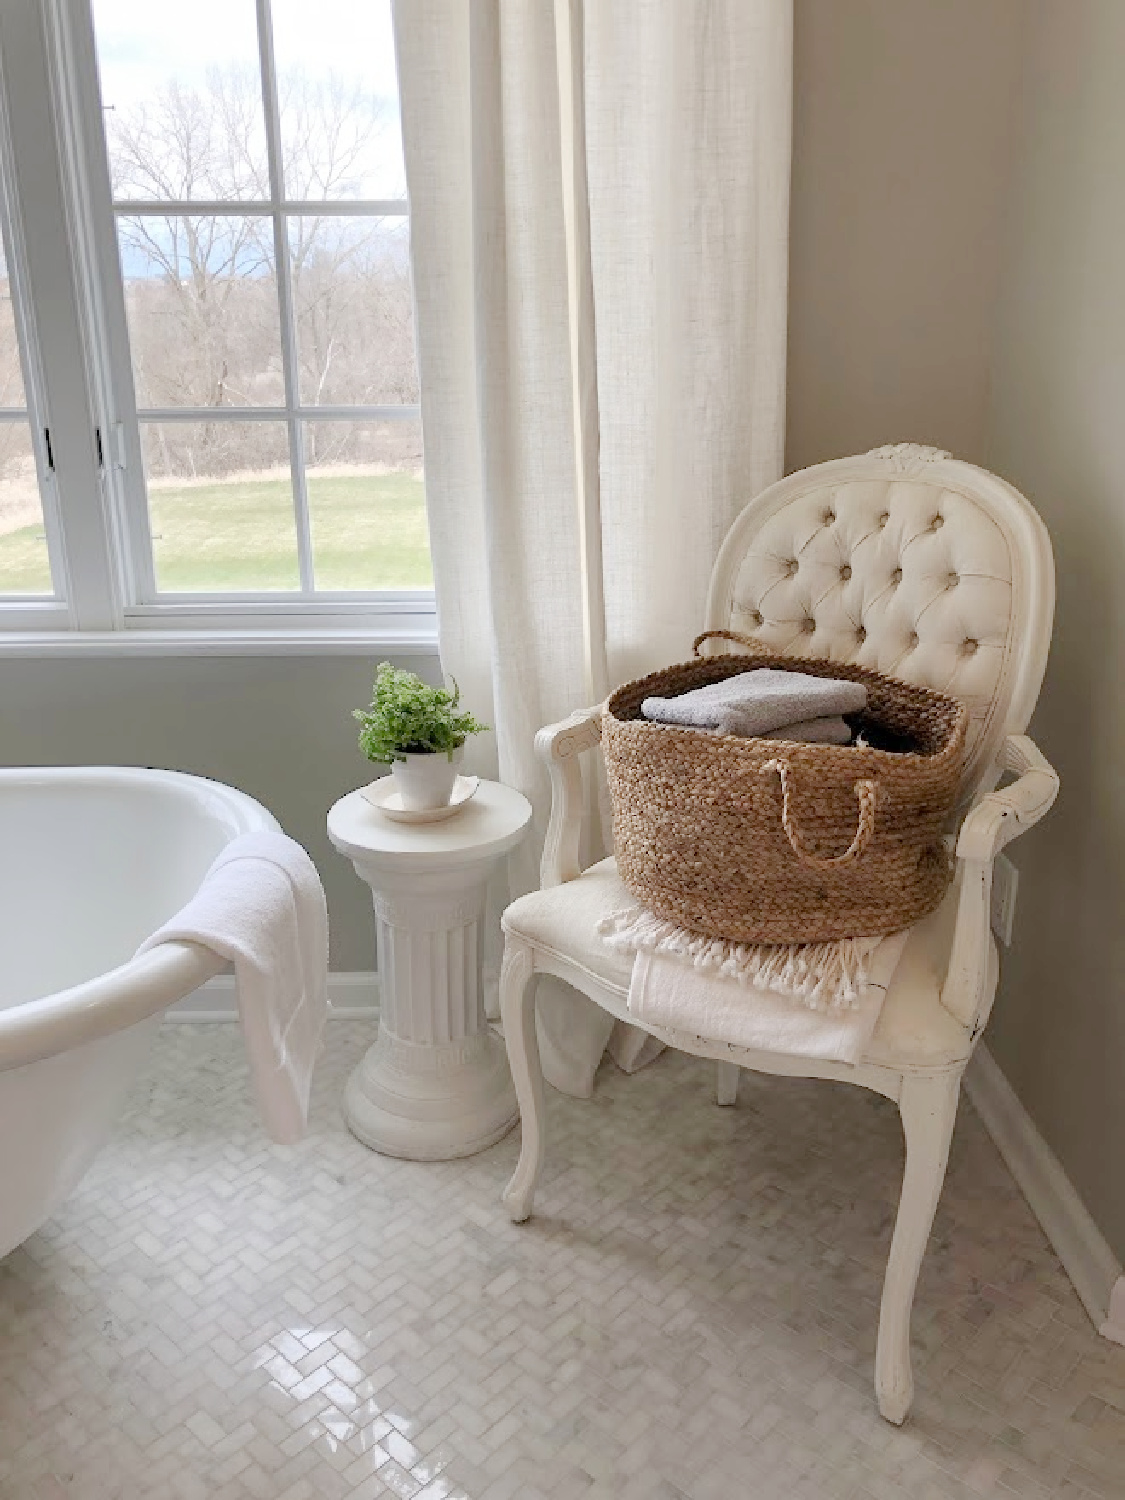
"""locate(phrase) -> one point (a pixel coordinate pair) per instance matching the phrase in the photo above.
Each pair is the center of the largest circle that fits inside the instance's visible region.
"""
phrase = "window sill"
(418, 638)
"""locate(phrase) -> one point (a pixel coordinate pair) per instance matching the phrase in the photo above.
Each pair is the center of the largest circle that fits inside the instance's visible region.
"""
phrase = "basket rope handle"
(866, 791)
(731, 635)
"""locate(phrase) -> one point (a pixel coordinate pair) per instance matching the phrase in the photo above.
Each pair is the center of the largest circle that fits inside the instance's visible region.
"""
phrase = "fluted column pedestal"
(435, 1084)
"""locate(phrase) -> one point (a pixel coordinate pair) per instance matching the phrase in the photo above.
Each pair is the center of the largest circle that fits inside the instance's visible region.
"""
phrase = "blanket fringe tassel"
(823, 976)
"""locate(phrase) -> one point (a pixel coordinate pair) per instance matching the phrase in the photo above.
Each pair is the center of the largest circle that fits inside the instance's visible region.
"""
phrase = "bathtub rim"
(142, 986)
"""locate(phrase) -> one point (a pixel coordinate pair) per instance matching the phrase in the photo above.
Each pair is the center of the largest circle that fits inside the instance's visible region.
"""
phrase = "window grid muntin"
(271, 110)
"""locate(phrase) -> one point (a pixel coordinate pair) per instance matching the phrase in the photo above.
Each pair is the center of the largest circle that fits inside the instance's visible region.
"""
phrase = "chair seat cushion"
(914, 1029)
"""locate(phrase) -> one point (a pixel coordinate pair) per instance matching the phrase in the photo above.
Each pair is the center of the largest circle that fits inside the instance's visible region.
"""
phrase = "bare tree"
(202, 289)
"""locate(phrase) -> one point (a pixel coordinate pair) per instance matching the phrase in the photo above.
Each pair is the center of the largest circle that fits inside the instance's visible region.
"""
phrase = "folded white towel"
(261, 905)
(753, 703)
(668, 990)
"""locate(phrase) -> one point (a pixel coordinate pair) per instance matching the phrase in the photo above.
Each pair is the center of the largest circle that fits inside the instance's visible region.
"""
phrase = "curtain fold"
(599, 220)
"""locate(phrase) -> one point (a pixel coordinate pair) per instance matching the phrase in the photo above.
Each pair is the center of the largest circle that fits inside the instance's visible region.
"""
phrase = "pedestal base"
(436, 1083)
(431, 1102)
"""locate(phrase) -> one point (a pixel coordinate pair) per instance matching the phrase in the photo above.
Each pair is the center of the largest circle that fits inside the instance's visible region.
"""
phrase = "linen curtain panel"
(599, 204)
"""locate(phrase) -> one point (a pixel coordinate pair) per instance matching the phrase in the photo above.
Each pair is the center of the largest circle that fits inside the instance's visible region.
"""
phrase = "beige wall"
(957, 278)
(903, 129)
(1058, 432)
(279, 728)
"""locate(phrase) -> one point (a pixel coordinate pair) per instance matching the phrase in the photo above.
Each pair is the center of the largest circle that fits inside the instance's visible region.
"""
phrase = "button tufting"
(791, 566)
(845, 572)
(756, 617)
(912, 639)
(828, 517)
(968, 645)
(896, 576)
(809, 626)
(860, 634)
(937, 523)
(884, 518)
(952, 581)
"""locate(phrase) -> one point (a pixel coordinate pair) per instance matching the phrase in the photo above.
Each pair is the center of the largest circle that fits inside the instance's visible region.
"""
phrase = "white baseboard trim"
(1077, 1241)
(351, 995)
(1114, 1325)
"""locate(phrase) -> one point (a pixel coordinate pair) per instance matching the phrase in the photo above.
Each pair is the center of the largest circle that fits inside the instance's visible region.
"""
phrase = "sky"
(145, 43)
(140, 41)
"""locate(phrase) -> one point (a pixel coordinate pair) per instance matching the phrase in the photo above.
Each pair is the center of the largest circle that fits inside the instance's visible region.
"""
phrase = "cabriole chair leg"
(517, 1013)
(929, 1107)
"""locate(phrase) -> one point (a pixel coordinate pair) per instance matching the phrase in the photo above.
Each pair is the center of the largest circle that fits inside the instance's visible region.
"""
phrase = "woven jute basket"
(770, 841)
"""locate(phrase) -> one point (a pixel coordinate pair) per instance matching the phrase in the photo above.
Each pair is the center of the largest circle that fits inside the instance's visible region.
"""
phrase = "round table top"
(490, 823)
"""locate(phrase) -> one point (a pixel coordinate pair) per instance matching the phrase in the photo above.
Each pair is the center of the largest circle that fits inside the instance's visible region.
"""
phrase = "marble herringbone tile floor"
(691, 1313)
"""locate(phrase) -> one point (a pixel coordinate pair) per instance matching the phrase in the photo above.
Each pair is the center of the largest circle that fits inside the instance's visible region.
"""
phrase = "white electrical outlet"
(1005, 884)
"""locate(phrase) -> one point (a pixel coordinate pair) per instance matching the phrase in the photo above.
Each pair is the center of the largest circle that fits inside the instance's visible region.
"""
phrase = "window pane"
(181, 87)
(354, 311)
(221, 506)
(11, 377)
(24, 565)
(367, 505)
(201, 295)
(338, 99)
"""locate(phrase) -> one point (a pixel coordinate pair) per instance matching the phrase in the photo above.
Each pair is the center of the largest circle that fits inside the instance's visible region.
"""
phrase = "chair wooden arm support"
(994, 821)
(1002, 815)
(559, 746)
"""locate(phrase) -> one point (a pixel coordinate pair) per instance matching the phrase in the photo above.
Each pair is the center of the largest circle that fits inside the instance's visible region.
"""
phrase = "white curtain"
(599, 200)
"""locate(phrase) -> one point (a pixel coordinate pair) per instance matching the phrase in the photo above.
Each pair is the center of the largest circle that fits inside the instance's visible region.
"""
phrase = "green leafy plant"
(408, 717)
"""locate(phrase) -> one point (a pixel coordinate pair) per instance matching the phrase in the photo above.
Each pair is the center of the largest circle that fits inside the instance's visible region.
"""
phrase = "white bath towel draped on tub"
(261, 906)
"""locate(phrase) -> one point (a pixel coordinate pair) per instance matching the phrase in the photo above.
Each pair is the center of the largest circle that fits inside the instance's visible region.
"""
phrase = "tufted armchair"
(934, 571)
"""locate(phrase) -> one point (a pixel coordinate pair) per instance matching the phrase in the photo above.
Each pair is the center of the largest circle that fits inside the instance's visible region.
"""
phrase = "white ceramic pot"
(426, 781)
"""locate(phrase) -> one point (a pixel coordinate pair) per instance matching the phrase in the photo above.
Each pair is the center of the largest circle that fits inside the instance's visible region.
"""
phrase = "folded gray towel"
(832, 731)
(754, 703)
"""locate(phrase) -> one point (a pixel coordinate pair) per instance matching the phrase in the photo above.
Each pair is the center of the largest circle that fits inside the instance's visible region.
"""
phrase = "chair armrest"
(1002, 815)
(994, 821)
(559, 746)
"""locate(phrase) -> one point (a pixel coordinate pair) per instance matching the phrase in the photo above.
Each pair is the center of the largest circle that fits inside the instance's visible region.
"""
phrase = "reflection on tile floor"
(691, 1313)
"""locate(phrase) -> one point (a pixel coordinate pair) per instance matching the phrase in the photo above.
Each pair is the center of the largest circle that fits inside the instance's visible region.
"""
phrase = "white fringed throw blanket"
(817, 1000)
(823, 976)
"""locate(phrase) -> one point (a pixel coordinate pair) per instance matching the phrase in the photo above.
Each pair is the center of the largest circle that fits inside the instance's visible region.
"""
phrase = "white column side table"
(435, 1084)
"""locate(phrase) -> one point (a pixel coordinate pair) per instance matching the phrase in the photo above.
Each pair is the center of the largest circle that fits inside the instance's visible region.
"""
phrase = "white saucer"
(382, 794)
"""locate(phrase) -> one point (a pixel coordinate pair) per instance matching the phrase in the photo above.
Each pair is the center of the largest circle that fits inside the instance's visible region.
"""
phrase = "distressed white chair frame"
(1000, 535)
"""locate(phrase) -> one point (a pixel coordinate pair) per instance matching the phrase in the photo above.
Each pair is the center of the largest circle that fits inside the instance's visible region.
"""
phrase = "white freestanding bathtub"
(92, 861)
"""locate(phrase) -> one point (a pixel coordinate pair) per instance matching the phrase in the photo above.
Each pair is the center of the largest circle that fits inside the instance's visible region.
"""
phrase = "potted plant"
(419, 731)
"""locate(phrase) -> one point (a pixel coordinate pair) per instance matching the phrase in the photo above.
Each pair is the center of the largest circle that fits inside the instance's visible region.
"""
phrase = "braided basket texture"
(770, 841)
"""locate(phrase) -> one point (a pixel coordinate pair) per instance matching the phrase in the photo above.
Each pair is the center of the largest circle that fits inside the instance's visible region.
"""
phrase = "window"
(237, 251)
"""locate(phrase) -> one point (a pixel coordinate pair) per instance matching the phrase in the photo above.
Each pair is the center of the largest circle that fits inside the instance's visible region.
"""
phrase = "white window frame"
(37, 611)
(94, 499)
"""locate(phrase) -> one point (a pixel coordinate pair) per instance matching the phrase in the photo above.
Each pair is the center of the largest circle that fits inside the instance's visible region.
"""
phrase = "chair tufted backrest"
(905, 560)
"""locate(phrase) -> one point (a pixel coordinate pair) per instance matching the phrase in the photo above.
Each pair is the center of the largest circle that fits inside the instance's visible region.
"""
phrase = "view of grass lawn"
(368, 532)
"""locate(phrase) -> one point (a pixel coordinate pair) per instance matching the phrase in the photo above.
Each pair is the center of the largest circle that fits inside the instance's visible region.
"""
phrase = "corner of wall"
(1087, 1259)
